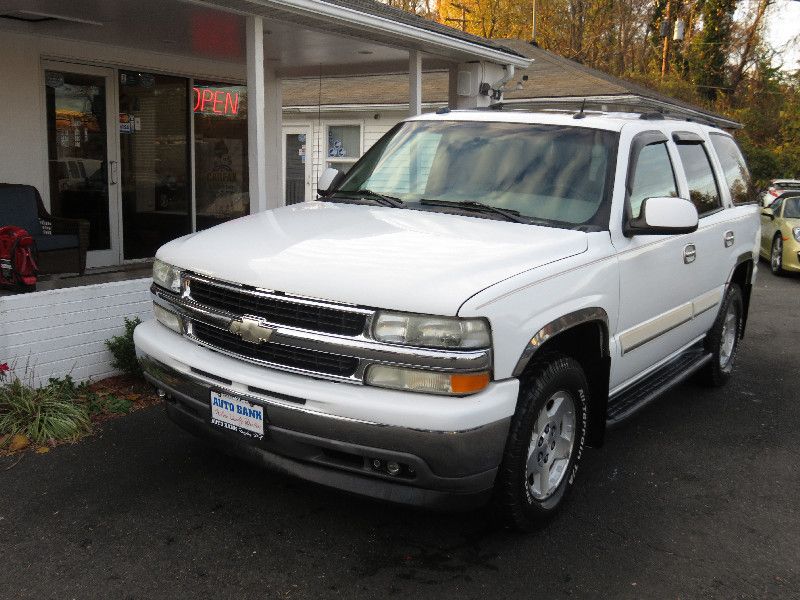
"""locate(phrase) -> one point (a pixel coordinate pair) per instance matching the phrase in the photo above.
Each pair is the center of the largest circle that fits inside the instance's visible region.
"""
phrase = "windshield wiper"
(381, 199)
(508, 214)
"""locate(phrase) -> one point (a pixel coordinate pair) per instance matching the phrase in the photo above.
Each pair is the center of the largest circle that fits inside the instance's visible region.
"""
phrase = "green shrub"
(121, 346)
(42, 414)
(97, 404)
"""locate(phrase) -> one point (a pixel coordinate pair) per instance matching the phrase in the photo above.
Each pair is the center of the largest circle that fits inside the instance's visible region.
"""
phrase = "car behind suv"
(466, 309)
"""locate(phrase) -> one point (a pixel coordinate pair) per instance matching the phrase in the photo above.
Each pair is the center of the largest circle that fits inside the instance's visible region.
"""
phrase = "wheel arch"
(584, 336)
(742, 275)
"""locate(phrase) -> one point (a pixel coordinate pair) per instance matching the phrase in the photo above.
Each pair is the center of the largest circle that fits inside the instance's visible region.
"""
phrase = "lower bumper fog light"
(390, 467)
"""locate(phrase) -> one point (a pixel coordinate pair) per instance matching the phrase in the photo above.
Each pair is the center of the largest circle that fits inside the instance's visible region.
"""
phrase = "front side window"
(554, 173)
(791, 208)
(654, 177)
(734, 168)
(703, 189)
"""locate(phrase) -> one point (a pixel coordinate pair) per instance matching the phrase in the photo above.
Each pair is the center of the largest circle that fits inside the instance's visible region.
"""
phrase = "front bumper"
(305, 437)
(791, 255)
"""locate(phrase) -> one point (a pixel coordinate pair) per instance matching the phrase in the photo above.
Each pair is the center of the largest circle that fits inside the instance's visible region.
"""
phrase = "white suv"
(466, 309)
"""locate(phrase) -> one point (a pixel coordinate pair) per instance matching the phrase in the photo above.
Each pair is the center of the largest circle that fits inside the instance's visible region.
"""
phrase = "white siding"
(59, 332)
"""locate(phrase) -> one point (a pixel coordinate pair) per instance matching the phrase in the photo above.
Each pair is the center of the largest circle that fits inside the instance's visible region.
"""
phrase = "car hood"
(409, 260)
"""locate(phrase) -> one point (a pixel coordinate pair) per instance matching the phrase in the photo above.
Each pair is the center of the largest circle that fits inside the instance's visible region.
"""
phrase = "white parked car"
(464, 311)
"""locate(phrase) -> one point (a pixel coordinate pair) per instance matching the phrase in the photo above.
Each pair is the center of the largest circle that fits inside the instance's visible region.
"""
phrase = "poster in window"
(220, 171)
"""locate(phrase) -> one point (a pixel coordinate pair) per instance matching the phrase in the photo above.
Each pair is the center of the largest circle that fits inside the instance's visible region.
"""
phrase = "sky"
(783, 25)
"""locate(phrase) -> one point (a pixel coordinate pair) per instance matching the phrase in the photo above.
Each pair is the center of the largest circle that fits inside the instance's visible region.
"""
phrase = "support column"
(452, 88)
(256, 131)
(414, 83)
(273, 117)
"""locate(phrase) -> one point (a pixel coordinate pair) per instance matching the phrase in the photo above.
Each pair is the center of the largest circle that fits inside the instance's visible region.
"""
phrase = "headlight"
(796, 233)
(168, 318)
(431, 382)
(166, 276)
(431, 332)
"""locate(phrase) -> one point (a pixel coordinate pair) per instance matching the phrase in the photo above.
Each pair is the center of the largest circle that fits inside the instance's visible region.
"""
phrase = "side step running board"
(633, 399)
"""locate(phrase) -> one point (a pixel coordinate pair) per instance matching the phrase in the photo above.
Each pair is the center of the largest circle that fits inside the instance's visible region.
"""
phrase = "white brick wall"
(58, 332)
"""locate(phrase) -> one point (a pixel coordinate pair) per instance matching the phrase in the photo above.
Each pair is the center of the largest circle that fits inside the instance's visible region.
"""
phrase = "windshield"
(791, 208)
(544, 172)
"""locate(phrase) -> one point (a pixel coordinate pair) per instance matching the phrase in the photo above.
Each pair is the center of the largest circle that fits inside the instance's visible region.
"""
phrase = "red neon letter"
(217, 101)
(232, 103)
(196, 94)
(208, 95)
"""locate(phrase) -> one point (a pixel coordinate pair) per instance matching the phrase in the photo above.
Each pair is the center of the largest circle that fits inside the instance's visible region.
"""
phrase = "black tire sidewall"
(717, 375)
(546, 377)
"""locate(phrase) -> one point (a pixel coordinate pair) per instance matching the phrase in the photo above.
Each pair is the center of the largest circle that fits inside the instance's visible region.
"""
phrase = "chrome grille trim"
(366, 351)
(282, 299)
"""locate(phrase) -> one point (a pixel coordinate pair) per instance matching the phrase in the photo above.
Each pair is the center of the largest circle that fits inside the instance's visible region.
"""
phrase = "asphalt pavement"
(696, 497)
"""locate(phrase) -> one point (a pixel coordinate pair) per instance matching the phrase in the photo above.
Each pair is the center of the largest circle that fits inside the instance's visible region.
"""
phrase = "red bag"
(17, 258)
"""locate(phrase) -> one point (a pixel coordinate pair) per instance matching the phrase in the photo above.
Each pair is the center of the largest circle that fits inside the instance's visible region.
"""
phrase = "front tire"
(545, 442)
(722, 340)
(776, 255)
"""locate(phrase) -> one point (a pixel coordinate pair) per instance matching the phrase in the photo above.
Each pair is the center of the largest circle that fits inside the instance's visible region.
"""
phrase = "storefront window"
(154, 145)
(77, 151)
(220, 143)
(344, 146)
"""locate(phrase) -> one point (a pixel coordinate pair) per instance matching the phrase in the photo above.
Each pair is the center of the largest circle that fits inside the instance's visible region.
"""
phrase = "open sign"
(215, 101)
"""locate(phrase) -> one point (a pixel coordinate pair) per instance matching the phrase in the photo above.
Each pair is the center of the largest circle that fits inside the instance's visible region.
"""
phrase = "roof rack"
(646, 108)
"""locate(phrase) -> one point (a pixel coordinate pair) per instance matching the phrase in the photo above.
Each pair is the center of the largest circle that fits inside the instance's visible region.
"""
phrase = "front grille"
(279, 312)
(296, 358)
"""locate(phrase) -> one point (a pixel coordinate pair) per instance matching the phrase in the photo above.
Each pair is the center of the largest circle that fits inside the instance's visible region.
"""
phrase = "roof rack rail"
(645, 107)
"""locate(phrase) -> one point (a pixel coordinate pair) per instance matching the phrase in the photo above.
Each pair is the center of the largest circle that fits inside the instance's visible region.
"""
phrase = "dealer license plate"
(235, 414)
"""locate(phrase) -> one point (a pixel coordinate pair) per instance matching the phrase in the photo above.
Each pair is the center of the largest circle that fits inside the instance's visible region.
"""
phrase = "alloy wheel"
(730, 330)
(777, 255)
(551, 445)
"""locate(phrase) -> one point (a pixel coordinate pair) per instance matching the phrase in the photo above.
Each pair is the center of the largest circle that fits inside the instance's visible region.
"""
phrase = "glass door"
(297, 164)
(82, 153)
(154, 131)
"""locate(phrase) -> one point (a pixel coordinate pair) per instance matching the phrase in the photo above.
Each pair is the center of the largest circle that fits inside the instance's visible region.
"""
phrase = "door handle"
(112, 175)
(689, 253)
(729, 239)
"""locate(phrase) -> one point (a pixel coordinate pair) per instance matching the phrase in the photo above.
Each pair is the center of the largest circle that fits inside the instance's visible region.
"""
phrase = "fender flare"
(559, 325)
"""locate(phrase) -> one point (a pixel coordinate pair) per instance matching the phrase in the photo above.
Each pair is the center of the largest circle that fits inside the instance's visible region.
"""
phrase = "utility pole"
(533, 38)
(665, 31)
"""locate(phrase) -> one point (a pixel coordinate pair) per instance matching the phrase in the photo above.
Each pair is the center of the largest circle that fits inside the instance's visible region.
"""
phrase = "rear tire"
(545, 442)
(722, 340)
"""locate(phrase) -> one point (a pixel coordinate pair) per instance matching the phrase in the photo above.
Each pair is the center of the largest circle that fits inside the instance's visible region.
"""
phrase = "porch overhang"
(337, 17)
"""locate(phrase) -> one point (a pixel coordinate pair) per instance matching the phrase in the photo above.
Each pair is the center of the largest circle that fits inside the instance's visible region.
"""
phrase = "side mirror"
(664, 216)
(768, 212)
(327, 182)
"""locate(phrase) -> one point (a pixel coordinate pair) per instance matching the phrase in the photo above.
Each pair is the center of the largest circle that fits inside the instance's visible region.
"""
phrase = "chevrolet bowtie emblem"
(251, 330)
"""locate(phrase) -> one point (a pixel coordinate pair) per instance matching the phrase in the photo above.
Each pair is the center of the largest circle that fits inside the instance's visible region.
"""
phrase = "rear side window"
(654, 177)
(703, 189)
(734, 168)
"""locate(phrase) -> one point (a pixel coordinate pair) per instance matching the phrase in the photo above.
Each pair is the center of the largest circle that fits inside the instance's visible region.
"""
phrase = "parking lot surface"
(695, 497)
